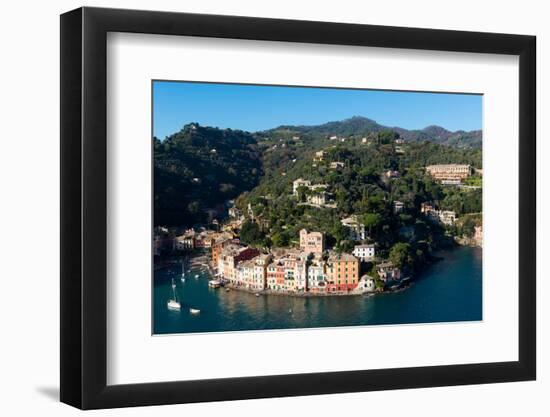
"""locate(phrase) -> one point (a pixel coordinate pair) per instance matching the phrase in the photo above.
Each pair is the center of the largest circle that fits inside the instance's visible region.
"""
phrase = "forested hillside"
(202, 167)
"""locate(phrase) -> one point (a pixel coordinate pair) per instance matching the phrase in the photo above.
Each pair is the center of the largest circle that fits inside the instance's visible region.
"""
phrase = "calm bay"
(447, 291)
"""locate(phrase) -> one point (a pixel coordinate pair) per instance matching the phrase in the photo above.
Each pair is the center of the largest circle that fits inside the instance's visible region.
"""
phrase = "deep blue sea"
(447, 291)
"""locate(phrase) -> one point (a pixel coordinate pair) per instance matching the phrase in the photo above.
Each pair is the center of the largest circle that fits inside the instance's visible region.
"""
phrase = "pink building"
(311, 242)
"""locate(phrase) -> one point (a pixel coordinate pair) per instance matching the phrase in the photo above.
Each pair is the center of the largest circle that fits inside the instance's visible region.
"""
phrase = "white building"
(186, 241)
(300, 276)
(366, 284)
(259, 272)
(316, 276)
(398, 206)
(319, 156)
(299, 183)
(447, 217)
(245, 273)
(356, 229)
(393, 174)
(364, 252)
(319, 198)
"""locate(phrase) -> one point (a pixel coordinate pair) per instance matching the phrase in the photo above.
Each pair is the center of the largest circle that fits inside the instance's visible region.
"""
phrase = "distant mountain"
(358, 126)
(438, 134)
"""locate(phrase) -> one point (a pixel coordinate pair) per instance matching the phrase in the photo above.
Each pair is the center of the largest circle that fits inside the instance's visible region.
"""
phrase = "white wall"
(29, 211)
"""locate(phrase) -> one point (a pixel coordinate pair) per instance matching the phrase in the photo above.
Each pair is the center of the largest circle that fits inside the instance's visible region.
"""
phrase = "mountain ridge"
(360, 125)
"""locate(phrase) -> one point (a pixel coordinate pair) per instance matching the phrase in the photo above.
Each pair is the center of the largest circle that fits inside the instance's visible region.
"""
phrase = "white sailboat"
(182, 271)
(173, 303)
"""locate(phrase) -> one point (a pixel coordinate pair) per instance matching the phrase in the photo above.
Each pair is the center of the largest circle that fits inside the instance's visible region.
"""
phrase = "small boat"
(227, 289)
(214, 283)
(196, 275)
(257, 294)
(194, 311)
(182, 279)
(173, 305)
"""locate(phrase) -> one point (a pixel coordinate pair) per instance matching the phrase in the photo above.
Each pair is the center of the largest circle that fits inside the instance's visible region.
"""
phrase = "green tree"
(251, 233)
(400, 255)
(371, 220)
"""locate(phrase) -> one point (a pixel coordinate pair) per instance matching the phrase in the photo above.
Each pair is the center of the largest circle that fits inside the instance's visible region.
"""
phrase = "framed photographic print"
(257, 207)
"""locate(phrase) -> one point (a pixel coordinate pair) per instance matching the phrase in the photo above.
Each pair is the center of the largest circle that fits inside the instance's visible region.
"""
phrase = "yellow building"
(342, 272)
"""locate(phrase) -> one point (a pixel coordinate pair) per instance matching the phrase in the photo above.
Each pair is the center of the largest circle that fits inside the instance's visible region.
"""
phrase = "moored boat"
(173, 303)
(194, 311)
(214, 283)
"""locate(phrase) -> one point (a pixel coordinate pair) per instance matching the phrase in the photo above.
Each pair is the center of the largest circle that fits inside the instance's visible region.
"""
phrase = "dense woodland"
(201, 167)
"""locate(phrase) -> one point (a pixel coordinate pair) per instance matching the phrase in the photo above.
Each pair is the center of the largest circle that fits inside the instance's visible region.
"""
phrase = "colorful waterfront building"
(186, 241)
(244, 274)
(316, 276)
(366, 284)
(275, 276)
(364, 252)
(342, 272)
(230, 257)
(387, 271)
(312, 242)
(259, 275)
(219, 243)
(300, 275)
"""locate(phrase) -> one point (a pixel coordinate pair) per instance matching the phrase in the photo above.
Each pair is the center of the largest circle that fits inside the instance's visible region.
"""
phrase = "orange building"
(275, 276)
(218, 243)
(342, 272)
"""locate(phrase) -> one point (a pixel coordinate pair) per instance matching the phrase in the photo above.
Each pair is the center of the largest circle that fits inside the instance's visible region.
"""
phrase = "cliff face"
(468, 241)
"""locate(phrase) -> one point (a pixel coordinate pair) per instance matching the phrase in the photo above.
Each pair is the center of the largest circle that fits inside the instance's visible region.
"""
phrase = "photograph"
(294, 207)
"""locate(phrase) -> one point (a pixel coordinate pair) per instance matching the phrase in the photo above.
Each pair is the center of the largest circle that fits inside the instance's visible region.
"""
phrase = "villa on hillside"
(300, 182)
(364, 252)
(319, 156)
(388, 272)
(398, 206)
(186, 241)
(356, 229)
(449, 174)
(447, 217)
(391, 174)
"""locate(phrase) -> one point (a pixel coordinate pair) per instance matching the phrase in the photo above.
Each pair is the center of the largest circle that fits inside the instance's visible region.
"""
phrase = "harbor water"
(447, 291)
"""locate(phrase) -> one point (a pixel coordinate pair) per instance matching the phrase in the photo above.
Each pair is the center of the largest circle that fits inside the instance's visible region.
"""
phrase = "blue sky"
(253, 108)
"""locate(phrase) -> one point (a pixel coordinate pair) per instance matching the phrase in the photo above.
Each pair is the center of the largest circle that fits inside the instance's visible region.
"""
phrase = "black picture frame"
(84, 207)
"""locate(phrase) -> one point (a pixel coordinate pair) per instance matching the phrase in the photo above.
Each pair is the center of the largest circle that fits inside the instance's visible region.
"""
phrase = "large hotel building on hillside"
(449, 173)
